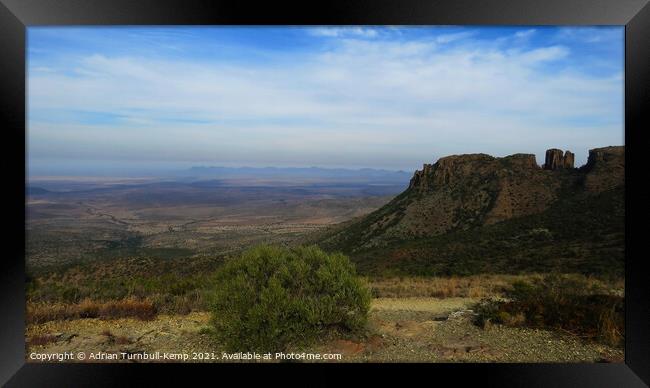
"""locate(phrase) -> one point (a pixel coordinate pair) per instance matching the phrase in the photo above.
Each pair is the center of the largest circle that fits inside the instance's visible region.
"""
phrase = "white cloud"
(589, 34)
(448, 38)
(545, 54)
(339, 32)
(362, 102)
(525, 34)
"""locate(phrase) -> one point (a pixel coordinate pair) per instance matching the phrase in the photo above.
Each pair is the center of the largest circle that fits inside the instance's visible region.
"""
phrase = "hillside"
(477, 213)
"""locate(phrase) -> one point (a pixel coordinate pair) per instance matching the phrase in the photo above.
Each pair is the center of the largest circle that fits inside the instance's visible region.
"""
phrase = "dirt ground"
(400, 330)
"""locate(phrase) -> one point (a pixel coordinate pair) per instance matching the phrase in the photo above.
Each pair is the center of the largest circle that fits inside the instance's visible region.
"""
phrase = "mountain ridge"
(461, 193)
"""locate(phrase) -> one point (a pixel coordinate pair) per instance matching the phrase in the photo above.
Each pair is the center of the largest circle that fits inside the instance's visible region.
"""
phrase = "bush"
(41, 340)
(273, 297)
(141, 309)
(572, 304)
(87, 308)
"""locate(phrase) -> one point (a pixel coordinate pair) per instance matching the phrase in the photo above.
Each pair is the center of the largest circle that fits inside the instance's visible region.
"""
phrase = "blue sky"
(386, 97)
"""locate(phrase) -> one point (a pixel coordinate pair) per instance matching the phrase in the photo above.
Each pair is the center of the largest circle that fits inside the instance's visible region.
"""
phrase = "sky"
(138, 98)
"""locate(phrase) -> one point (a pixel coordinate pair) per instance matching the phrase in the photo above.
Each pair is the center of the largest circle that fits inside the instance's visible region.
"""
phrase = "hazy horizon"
(106, 100)
(162, 169)
(102, 168)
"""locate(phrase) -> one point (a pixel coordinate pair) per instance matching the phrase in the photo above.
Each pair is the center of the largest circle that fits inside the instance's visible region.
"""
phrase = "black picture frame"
(17, 15)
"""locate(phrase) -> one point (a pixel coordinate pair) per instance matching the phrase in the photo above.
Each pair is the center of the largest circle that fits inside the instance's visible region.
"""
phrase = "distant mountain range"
(313, 173)
(480, 214)
(31, 190)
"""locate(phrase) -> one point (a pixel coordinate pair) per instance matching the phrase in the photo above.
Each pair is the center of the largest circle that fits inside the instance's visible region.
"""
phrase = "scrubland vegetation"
(87, 308)
(274, 297)
(271, 297)
(583, 307)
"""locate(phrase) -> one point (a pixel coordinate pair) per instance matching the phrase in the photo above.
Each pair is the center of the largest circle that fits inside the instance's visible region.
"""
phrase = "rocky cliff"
(556, 159)
(605, 169)
(462, 192)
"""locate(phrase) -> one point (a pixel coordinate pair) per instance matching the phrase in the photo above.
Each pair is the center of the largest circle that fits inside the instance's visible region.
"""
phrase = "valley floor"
(400, 330)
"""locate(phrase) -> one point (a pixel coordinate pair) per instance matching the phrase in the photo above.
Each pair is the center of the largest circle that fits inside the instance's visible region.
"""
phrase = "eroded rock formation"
(605, 168)
(556, 159)
(569, 159)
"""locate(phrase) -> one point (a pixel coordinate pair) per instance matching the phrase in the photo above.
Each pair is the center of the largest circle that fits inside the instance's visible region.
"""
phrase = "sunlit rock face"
(556, 159)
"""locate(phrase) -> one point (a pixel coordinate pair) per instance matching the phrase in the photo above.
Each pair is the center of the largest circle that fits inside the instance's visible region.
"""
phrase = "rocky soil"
(400, 330)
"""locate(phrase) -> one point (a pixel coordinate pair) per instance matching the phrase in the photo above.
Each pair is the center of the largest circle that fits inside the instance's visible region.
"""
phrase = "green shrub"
(572, 304)
(273, 297)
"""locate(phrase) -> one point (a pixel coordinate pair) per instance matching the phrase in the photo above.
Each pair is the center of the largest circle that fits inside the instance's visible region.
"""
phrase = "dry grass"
(122, 340)
(475, 286)
(119, 339)
(421, 304)
(514, 320)
(129, 307)
(611, 328)
(40, 340)
(578, 305)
